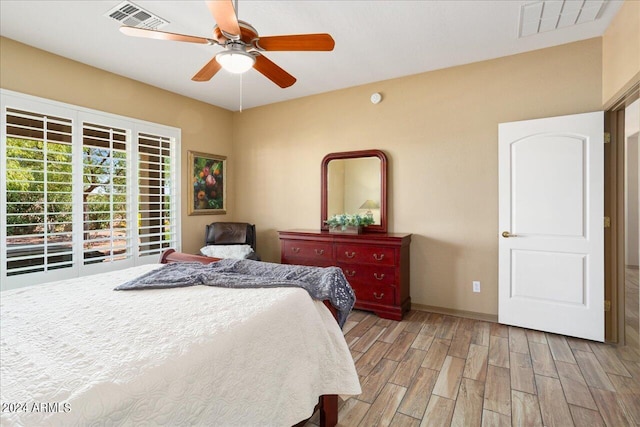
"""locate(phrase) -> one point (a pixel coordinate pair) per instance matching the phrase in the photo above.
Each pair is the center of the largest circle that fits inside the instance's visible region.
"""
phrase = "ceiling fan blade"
(162, 35)
(225, 15)
(208, 71)
(274, 73)
(298, 42)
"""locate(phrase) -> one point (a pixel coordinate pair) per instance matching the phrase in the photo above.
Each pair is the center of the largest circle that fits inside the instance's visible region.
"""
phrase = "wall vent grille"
(548, 15)
(130, 14)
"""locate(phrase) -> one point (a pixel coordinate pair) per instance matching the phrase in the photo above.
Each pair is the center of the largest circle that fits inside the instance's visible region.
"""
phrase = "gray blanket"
(326, 283)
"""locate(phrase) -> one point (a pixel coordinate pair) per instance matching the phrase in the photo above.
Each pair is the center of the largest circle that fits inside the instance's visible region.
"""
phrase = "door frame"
(614, 199)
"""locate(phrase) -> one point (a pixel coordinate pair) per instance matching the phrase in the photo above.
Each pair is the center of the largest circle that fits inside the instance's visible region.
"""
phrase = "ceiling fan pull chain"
(240, 89)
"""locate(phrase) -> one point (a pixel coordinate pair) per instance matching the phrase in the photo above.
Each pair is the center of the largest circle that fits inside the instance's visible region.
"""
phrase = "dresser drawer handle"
(378, 257)
(349, 255)
(350, 273)
(295, 250)
(378, 277)
(319, 251)
(375, 294)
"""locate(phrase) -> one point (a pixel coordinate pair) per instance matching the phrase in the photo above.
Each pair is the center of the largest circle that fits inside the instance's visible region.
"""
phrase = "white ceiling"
(375, 40)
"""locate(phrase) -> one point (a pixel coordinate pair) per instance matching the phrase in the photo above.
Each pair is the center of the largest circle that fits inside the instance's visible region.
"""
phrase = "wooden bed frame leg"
(328, 410)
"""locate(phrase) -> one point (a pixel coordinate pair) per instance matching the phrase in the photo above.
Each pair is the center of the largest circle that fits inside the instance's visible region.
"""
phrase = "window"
(82, 191)
(156, 230)
(106, 215)
(39, 192)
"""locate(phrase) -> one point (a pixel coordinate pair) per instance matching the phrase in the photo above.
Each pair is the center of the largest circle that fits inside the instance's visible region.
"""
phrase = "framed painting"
(207, 184)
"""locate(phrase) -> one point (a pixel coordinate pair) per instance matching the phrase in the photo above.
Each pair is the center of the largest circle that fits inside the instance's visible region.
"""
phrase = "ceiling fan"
(243, 46)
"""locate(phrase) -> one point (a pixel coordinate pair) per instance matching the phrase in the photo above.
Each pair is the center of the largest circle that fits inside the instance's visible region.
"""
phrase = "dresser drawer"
(375, 264)
(320, 251)
(365, 254)
(365, 273)
(380, 294)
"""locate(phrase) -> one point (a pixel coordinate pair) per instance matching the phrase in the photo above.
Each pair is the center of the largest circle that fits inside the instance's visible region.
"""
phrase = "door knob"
(506, 234)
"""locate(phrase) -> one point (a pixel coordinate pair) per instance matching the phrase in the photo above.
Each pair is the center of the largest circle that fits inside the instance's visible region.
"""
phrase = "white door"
(551, 250)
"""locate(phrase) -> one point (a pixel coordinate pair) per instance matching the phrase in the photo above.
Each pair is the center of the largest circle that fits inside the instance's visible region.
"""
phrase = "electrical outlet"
(476, 286)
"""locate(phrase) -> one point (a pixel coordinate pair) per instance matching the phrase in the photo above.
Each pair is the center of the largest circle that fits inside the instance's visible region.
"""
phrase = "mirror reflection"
(355, 182)
(353, 186)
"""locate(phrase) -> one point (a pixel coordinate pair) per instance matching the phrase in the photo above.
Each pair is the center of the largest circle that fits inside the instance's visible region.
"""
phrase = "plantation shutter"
(39, 192)
(82, 191)
(106, 211)
(157, 225)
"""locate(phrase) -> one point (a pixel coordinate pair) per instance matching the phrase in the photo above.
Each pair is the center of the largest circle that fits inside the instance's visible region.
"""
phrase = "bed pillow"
(227, 251)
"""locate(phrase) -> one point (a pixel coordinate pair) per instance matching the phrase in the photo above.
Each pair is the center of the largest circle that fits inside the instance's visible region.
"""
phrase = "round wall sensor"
(376, 98)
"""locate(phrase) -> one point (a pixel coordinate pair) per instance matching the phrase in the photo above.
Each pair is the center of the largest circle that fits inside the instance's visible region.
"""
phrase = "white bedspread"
(185, 356)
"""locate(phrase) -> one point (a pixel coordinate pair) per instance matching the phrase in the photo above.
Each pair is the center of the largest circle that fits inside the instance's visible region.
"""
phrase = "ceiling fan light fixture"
(235, 61)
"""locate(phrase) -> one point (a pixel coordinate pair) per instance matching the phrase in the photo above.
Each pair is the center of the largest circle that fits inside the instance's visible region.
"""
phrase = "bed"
(75, 352)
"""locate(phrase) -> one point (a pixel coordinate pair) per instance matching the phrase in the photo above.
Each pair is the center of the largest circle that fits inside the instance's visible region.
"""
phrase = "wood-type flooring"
(439, 370)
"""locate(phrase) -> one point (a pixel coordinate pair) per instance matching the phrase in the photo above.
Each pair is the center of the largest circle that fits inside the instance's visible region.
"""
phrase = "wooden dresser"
(375, 264)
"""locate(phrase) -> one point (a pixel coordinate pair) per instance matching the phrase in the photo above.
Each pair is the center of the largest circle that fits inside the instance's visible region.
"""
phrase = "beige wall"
(439, 130)
(351, 182)
(204, 127)
(361, 183)
(632, 184)
(335, 188)
(621, 52)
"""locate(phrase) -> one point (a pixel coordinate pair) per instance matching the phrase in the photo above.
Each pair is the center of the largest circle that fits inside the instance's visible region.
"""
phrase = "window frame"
(79, 116)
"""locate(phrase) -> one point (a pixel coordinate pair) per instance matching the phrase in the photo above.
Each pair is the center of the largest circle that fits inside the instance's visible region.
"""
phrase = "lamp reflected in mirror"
(369, 205)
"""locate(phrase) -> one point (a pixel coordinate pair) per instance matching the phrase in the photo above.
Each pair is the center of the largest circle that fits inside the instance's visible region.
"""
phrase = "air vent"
(548, 15)
(133, 15)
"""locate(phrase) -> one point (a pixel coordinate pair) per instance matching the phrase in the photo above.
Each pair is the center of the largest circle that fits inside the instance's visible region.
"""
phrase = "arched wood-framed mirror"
(355, 182)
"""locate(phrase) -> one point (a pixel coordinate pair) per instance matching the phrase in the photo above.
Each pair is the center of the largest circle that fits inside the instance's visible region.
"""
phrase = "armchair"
(231, 233)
